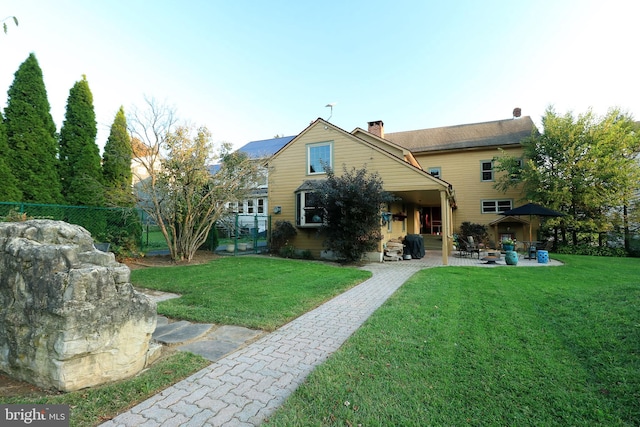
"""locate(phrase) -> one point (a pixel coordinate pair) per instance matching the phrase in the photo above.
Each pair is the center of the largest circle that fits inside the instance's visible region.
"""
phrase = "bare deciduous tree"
(179, 192)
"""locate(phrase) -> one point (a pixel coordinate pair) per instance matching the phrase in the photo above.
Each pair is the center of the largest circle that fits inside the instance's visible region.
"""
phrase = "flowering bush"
(507, 242)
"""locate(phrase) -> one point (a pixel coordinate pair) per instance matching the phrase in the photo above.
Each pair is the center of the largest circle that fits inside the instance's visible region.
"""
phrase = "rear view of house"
(442, 177)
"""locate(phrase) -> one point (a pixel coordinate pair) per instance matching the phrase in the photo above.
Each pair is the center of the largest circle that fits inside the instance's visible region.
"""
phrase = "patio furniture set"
(533, 250)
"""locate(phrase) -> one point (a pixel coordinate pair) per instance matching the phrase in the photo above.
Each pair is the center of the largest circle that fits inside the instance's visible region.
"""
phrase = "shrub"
(14, 216)
(352, 204)
(282, 232)
(586, 249)
(212, 241)
(477, 231)
(287, 251)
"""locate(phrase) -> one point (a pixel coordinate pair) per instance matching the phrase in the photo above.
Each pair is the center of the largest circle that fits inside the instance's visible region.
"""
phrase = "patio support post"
(445, 213)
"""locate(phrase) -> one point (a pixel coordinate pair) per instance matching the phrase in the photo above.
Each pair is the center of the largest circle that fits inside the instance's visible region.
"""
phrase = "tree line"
(40, 165)
(175, 187)
(587, 167)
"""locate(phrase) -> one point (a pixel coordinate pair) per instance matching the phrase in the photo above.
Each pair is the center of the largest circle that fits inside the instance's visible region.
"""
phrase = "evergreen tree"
(31, 135)
(80, 170)
(9, 191)
(116, 163)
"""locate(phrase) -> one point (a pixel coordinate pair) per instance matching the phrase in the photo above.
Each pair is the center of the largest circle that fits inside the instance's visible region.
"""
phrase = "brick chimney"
(377, 128)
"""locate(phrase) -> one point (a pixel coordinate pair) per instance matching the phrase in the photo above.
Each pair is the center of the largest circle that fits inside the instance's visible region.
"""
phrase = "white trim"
(319, 145)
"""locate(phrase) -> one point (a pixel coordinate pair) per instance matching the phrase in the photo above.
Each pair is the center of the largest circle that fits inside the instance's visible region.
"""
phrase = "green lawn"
(502, 347)
(153, 239)
(256, 292)
(91, 407)
(251, 291)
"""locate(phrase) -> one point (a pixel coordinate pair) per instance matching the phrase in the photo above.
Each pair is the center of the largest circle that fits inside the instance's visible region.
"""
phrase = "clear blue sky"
(249, 70)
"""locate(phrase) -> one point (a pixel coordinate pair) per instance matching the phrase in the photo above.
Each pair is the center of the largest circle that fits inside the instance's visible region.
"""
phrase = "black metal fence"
(243, 234)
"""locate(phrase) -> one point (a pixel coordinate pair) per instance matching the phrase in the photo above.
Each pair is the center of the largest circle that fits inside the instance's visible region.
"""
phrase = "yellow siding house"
(442, 176)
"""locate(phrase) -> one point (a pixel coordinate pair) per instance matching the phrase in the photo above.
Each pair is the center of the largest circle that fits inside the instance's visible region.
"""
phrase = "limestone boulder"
(69, 316)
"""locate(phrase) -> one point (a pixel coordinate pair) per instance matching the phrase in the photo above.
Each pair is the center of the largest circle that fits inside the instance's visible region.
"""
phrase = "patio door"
(431, 220)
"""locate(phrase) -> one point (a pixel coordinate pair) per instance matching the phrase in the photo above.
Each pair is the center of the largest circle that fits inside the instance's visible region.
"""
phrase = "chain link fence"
(131, 230)
(121, 228)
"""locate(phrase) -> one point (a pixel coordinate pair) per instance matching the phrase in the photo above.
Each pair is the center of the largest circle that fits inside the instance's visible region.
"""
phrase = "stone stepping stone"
(221, 341)
(237, 334)
(210, 350)
(180, 332)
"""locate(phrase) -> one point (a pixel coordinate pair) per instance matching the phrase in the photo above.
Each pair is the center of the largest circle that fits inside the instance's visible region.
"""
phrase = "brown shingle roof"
(487, 134)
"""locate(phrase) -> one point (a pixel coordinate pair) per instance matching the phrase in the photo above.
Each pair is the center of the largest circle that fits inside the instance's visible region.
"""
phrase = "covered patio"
(419, 207)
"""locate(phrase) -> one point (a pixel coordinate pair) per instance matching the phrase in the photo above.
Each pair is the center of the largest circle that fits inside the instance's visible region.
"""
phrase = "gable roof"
(321, 122)
(265, 147)
(475, 135)
(388, 145)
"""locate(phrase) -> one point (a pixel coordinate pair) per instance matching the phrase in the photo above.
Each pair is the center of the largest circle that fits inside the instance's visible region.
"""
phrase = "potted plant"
(508, 244)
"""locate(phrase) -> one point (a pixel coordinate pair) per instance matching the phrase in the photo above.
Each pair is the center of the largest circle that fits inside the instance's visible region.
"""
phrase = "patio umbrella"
(532, 209)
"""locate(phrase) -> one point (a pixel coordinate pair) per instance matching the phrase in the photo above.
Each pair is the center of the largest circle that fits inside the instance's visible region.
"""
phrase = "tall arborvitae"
(116, 163)
(80, 170)
(31, 136)
(9, 191)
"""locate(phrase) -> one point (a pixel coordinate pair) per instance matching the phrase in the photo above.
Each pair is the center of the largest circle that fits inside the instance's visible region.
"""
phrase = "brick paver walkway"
(245, 387)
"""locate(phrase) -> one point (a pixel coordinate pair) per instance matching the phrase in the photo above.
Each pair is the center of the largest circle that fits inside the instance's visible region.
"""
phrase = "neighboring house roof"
(475, 135)
(265, 148)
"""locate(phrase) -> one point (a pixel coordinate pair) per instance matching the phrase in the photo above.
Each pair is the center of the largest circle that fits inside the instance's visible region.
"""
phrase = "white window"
(318, 156)
(434, 172)
(260, 206)
(250, 206)
(496, 206)
(307, 215)
(486, 169)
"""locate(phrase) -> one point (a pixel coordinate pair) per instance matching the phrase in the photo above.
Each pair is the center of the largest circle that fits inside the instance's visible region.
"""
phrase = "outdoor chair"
(463, 249)
(473, 247)
(468, 246)
(548, 245)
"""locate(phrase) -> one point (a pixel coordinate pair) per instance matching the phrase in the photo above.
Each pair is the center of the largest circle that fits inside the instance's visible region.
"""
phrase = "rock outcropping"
(69, 316)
